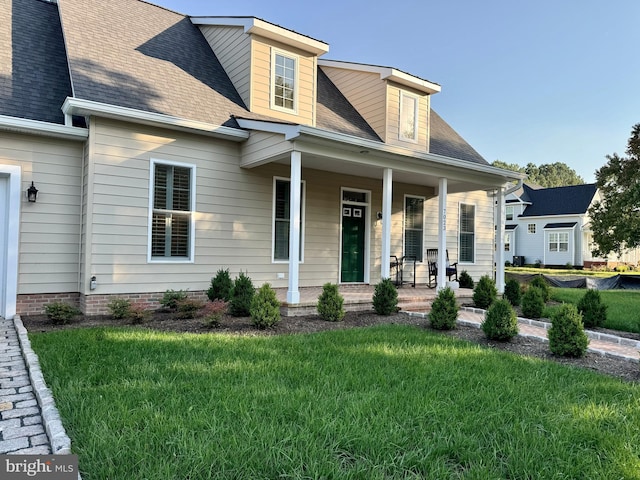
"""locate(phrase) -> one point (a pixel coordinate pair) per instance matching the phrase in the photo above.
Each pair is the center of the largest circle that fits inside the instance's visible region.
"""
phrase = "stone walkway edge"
(58, 438)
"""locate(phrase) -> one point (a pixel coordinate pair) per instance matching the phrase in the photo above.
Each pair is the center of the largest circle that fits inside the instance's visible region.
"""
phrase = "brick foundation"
(33, 304)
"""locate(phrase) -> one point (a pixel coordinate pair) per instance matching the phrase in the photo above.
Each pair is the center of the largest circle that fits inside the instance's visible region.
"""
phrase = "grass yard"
(623, 306)
(389, 402)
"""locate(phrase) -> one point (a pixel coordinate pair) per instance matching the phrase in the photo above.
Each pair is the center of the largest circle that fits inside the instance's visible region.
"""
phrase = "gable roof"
(446, 141)
(569, 200)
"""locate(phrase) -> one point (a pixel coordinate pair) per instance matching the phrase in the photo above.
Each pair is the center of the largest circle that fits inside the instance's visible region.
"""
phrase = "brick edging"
(58, 438)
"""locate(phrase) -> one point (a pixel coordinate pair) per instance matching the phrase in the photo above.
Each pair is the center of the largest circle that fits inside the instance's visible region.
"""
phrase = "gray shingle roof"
(570, 200)
(446, 141)
(561, 225)
(34, 78)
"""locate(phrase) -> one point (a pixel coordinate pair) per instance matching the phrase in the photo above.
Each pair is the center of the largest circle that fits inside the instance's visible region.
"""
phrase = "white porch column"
(500, 240)
(293, 294)
(387, 191)
(442, 233)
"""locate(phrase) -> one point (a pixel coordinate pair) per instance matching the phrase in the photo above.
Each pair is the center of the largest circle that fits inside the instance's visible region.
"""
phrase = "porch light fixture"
(93, 283)
(32, 193)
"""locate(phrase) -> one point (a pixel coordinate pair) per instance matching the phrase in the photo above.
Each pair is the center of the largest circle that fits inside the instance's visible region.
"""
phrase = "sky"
(522, 81)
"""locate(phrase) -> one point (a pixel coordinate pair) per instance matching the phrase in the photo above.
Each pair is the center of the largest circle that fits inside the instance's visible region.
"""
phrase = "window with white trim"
(467, 239)
(507, 242)
(282, 221)
(413, 226)
(408, 117)
(531, 228)
(172, 205)
(558, 242)
(509, 213)
(283, 81)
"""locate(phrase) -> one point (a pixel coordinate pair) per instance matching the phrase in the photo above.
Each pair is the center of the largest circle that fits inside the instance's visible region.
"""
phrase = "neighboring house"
(166, 147)
(550, 226)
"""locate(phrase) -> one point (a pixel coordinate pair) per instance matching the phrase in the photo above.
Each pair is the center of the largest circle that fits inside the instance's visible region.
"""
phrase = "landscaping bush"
(171, 298)
(60, 313)
(444, 310)
(138, 313)
(221, 286)
(120, 308)
(500, 321)
(213, 312)
(188, 308)
(566, 335)
(385, 297)
(541, 283)
(465, 280)
(241, 296)
(533, 302)
(331, 303)
(512, 292)
(485, 292)
(594, 312)
(265, 308)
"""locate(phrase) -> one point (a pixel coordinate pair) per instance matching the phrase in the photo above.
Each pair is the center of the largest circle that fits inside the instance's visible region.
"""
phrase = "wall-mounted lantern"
(93, 283)
(32, 193)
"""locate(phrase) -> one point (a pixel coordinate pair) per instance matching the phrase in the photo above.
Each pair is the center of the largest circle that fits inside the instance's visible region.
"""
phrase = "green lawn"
(391, 402)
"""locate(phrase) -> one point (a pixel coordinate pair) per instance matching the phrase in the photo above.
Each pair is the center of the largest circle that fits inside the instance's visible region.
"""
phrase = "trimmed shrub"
(542, 284)
(385, 297)
(512, 292)
(500, 321)
(566, 335)
(138, 314)
(60, 313)
(485, 292)
(241, 296)
(533, 302)
(331, 303)
(120, 308)
(594, 312)
(221, 286)
(465, 280)
(171, 298)
(188, 308)
(444, 310)
(213, 312)
(265, 308)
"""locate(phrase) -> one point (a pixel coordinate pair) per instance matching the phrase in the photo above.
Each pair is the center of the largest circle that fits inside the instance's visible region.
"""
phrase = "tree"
(547, 175)
(615, 218)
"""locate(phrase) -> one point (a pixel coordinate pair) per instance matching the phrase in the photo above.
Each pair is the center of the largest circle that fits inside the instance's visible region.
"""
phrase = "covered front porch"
(360, 298)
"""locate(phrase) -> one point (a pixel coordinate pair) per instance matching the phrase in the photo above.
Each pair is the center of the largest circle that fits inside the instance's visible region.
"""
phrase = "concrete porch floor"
(360, 298)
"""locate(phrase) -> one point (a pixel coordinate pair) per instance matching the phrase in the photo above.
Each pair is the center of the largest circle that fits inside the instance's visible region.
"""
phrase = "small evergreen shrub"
(171, 298)
(500, 321)
(138, 314)
(120, 308)
(485, 292)
(331, 303)
(188, 308)
(221, 286)
(241, 296)
(594, 312)
(385, 297)
(265, 308)
(465, 280)
(213, 312)
(533, 302)
(542, 284)
(513, 293)
(566, 335)
(60, 313)
(444, 310)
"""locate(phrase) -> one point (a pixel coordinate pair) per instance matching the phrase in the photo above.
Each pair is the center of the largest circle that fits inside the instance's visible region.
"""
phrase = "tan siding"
(263, 145)
(366, 92)
(233, 48)
(261, 80)
(49, 228)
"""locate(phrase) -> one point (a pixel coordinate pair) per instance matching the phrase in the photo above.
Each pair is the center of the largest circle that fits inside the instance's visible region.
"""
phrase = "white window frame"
(509, 213)
(296, 59)
(416, 110)
(507, 241)
(555, 239)
(460, 232)
(531, 228)
(273, 220)
(420, 258)
(192, 205)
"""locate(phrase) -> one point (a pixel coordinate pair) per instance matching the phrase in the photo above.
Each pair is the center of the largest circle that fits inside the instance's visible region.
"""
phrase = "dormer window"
(408, 117)
(284, 73)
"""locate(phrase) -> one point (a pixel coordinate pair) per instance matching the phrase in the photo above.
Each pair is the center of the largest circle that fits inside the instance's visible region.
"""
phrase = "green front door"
(353, 235)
